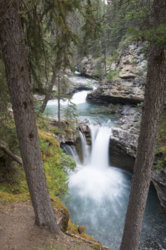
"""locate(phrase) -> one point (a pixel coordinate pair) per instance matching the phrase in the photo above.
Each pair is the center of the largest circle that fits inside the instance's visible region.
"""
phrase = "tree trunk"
(59, 99)
(15, 58)
(154, 98)
(48, 95)
(104, 44)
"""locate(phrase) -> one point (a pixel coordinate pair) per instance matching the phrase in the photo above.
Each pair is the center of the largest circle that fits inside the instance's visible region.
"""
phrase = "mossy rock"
(63, 213)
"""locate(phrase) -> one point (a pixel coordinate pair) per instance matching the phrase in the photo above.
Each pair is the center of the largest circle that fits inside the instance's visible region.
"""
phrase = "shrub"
(112, 74)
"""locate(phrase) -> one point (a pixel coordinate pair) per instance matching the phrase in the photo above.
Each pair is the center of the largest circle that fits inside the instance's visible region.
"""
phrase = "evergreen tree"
(17, 72)
(154, 99)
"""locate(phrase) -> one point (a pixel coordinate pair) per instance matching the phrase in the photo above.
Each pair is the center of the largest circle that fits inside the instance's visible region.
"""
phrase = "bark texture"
(154, 98)
(15, 58)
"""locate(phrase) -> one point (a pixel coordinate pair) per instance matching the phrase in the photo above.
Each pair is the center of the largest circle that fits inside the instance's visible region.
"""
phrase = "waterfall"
(85, 148)
(100, 146)
(95, 177)
(98, 155)
(99, 192)
(93, 132)
(80, 97)
(71, 150)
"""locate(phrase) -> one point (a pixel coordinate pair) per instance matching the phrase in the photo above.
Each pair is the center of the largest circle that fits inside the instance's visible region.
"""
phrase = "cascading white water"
(100, 147)
(85, 148)
(98, 191)
(70, 150)
(93, 132)
(80, 97)
(96, 177)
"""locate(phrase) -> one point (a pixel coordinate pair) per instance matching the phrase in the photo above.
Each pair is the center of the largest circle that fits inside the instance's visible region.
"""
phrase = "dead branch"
(9, 153)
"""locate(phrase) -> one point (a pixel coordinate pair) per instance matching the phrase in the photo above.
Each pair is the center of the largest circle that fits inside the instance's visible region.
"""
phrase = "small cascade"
(71, 150)
(93, 132)
(100, 147)
(80, 97)
(85, 148)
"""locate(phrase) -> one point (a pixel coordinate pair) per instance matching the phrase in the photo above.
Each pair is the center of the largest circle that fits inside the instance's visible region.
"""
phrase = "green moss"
(73, 229)
(63, 212)
(13, 185)
(6, 197)
(56, 164)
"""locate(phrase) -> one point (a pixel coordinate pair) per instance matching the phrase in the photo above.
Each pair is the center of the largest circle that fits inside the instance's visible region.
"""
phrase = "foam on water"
(80, 97)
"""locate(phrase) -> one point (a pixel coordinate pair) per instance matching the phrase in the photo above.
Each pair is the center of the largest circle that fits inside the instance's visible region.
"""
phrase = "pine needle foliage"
(7, 127)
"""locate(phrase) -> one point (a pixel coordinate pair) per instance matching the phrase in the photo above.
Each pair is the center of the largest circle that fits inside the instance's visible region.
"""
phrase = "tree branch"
(13, 156)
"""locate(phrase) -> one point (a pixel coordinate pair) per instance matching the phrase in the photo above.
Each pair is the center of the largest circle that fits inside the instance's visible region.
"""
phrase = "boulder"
(117, 92)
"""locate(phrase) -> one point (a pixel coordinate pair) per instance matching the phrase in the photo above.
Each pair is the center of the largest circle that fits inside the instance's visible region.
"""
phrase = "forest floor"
(18, 232)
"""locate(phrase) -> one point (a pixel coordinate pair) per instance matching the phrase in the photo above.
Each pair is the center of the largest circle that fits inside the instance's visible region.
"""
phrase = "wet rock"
(76, 83)
(117, 92)
(64, 131)
(123, 146)
(159, 181)
(127, 140)
(119, 156)
(124, 139)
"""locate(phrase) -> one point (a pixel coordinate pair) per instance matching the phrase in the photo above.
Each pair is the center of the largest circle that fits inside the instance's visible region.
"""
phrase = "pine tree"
(154, 99)
(18, 78)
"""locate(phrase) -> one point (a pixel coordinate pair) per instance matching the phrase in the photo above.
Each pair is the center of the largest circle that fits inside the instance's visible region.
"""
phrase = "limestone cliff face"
(127, 85)
(91, 67)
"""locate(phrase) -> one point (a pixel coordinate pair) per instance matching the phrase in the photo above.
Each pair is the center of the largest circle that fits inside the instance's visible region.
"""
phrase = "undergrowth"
(13, 186)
